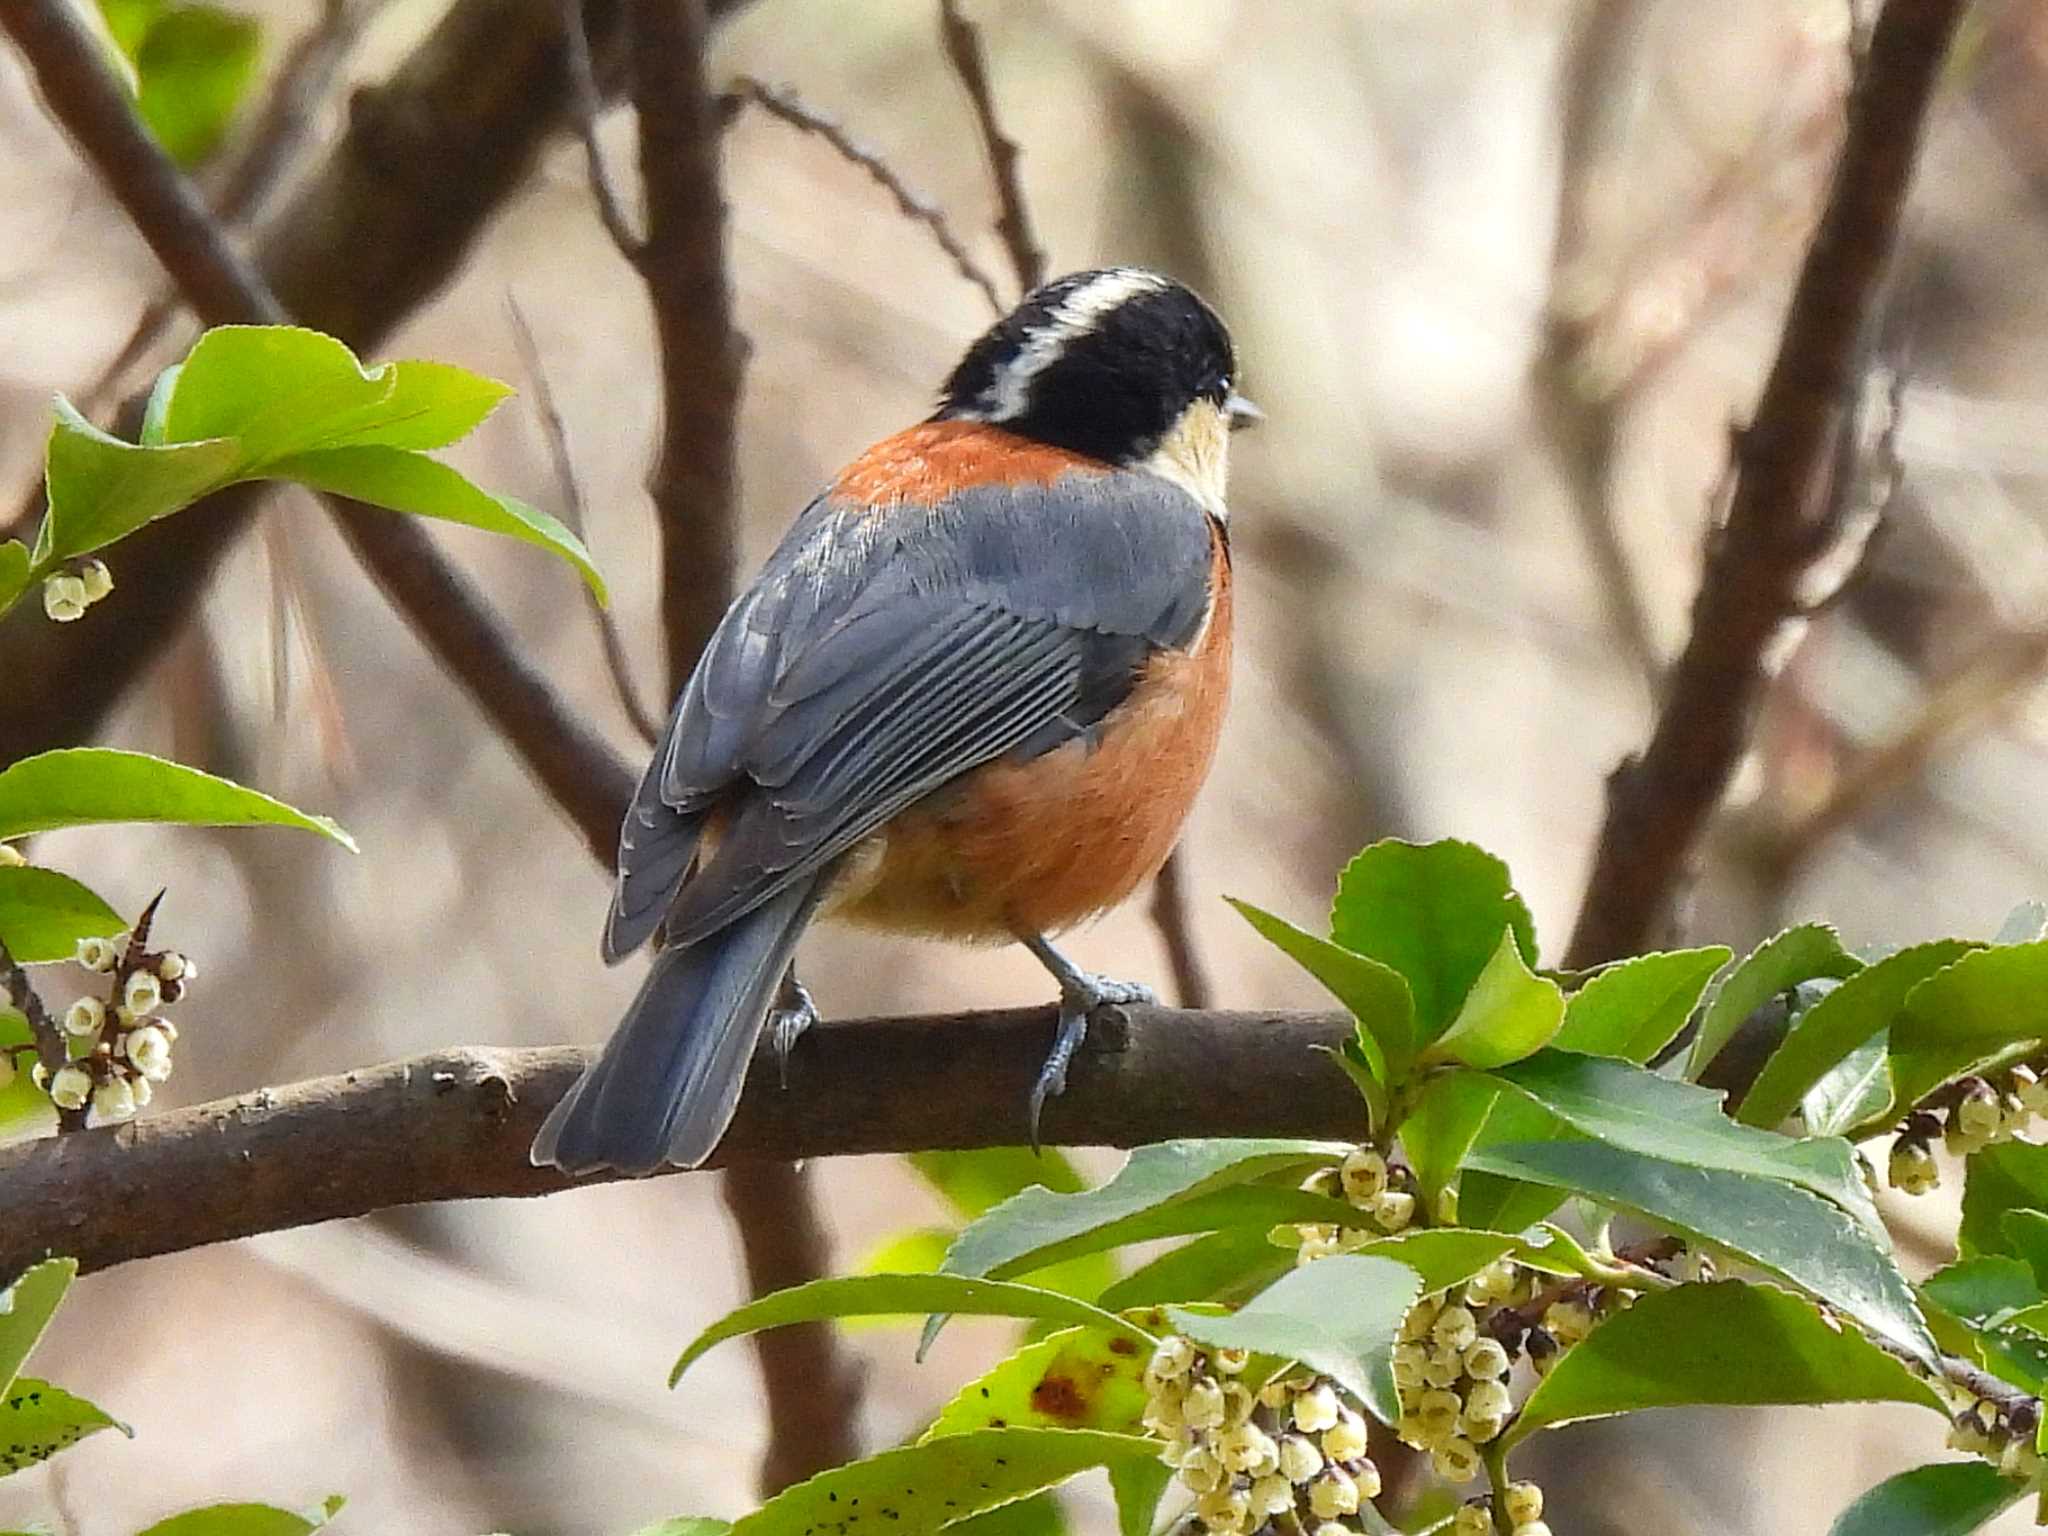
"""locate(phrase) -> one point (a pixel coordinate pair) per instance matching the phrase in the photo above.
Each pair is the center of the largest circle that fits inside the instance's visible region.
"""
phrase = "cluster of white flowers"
(1384, 1195)
(120, 1046)
(1983, 1114)
(1523, 1503)
(68, 594)
(1453, 1373)
(1293, 1449)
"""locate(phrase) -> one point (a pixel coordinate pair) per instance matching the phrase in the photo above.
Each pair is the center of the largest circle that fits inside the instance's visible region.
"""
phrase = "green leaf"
(43, 914)
(686, 1525)
(1636, 1008)
(1434, 913)
(401, 481)
(2010, 1176)
(1441, 1256)
(925, 1487)
(1851, 1091)
(248, 1520)
(870, 1295)
(1339, 1315)
(1509, 1013)
(917, 1251)
(14, 566)
(1078, 1378)
(194, 68)
(1375, 994)
(38, 1420)
(1138, 1487)
(102, 489)
(85, 786)
(1967, 1013)
(151, 434)
(2026, 1238)
(1039, 1225)
(1640, 1111)
(1228, 1266)
(275, 390)
(431, 405)
(1444, 1125)
(1944, 1498)
(1777, 965)
(1862, 1007)
(973, 1183)
(1037, 1515)
(1509, 1205)
(1792, 1233)
(1984, 1291)
(25, 1311)
(1726, 1343)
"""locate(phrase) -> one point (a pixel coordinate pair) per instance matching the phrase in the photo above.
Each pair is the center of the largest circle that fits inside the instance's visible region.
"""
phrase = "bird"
(971, 695)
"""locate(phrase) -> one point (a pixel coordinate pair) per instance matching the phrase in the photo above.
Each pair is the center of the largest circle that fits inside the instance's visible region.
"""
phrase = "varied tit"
(971, 695)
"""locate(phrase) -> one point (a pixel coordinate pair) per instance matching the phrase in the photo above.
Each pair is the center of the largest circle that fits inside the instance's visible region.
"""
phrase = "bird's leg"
(793, 1013)
(1081, 993)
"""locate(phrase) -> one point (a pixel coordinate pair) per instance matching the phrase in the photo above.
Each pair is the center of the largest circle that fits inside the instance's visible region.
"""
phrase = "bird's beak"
(1241, 413)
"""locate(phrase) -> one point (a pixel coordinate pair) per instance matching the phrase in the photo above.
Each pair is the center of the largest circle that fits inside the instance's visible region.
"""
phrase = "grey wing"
(881, 654)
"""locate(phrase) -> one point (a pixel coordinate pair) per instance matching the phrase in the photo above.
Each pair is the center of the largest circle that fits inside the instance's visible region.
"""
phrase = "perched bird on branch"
(972, 695)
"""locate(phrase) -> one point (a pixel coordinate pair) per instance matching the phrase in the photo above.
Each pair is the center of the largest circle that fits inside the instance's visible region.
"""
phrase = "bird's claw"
(1080, 995)
(794, 1012)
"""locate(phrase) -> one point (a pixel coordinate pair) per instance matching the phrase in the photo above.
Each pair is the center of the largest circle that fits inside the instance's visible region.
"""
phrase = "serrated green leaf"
(1983, 1291)
(1138, 1487)
(431, 405)
(1726, 1343)
(1339, 1315)
(922, 1488)
(1376, 995)
(38, 1420)
(102, 489)
(1441, 1256)
(43, 914)
(1509, 1013)
(1078, 1378)
(873, 1295)
(1777, 965)
(248, 1520)
(686, 1525)
(87, 786)
(26, 1308)
(1637, 1007)
(1851, 1091)
(275, 390)
(2012, 1175)
(401, 481)
(1433, 912)
(193, 70)
(1786, 1230)
(14, 566)
(1944, 1498)
(1863, 1006)
(1966, 1013)
(1225, 1266)
(1655, 1116)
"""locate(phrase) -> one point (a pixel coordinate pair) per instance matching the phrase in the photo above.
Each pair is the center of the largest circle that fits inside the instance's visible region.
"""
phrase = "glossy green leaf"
(14, 565)
(1655, 1116)
(1441, 1256)
(1138, 1486)
(193, 70)
(1443, 1125)
(1434, 912)
(686, 1525)
(1036, 1514)
(86, 786)
(154, 411)
(1963, 1015)
(1777, 965)
(1983, 1291)
(2010, 1176)
(248, 1520)
(401, 481)
(1509, 1013)
(1636, 1008)
(2026, 1239)
(1339, 1315)
(873, 1295)
(1375, 994)
(925, 1487)
(38, 1420)
(101, 489)
(430, 405)
(1944, 1498)
(1228, 1266)
(1078, 1378)
(26, 1308)
(1786, 1230)
(1726, 1343)
(1850, 1092)
(43, 914)
(274, 390)
(1863, 1006)
(1509, 1205)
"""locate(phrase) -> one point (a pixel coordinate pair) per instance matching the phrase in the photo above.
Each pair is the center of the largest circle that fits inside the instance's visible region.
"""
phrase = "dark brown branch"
(783, 103)
(51, 1050)
(585, 103)
(1013, 218)
(455, 1125)
(1169, 914)
(1659, 804)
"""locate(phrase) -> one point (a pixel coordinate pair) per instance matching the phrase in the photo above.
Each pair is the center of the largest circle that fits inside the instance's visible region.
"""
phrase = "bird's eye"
(1219, 391)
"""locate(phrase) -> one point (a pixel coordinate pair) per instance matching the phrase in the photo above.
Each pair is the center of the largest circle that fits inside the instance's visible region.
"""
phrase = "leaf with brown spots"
(1077, 1378)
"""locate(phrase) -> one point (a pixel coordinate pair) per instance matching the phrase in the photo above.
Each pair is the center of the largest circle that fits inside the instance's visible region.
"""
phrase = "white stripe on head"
(1008, 395)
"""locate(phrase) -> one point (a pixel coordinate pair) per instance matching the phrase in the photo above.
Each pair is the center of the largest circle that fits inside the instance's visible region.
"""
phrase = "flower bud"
(1225, 1509)
(1345, 1440)
(1367, 1475)
(1299, 1458)
(1271, 1495)
(1316, 1410)
(1278, 1393)
(97, 580)
(1912, 1168)
(1456, 1460)
(175, 967)
(112, 1102)
(1532, 1528)
(1438, 1411)
(1364, 1173)
(1489, 1400)
(1394, 1209)
(1333, 1495)
(144, 1091)
(1229, 1362)
(1977, 1115)
(1486, 1360)
(1174, 1356)
(1442, 1367)
(97, 954)
(1568, 1321)
(1201, 1471)
(64, 598)
(1524, 1503)
(1472, 1519)
(1246, 1448)
(11, 857)
(70, 1088)
(1421, 1317)
(85, 1017)
(142, 994)
(1409, 1360)
(150, 1049)
(1203, 1407)
(1455, 1328)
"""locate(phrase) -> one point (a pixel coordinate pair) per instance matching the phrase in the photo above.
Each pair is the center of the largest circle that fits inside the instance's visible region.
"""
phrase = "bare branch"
(585, 104)
(1777, 524)
(1169, 914)
(1013, 220)
(455, 1125)
(782, 102)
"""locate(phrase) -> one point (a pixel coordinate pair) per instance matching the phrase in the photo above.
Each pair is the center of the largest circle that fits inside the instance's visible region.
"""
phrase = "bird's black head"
(1115, 364)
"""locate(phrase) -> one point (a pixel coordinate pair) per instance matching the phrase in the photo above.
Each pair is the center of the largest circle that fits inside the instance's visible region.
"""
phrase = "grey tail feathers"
(667, 1084)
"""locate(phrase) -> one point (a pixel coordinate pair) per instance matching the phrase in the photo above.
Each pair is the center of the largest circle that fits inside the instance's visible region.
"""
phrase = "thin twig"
(963, 43)
(1777, 524)
(585, 104)
(576, 513)
(1169, 914)
(782, 102)
(457, 1124)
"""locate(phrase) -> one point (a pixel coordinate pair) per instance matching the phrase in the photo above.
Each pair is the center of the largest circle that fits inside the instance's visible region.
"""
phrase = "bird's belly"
(1040, 845)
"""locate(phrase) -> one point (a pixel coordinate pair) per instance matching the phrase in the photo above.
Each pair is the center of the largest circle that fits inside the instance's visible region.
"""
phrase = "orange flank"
(936, 459)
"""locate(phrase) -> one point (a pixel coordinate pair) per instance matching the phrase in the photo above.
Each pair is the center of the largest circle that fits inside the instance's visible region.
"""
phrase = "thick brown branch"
(1659, 804)
(1013, 218)
(456, 1125)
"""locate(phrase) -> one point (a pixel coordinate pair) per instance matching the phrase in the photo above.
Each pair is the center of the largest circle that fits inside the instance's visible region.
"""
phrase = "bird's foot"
(1081, 993)
(794, 1012)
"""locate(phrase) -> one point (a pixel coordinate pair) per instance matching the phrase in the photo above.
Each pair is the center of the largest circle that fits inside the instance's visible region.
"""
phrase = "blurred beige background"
(1501, 271)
